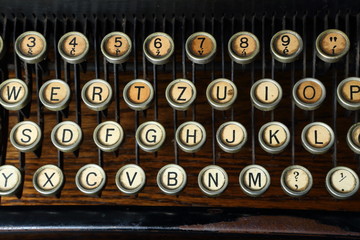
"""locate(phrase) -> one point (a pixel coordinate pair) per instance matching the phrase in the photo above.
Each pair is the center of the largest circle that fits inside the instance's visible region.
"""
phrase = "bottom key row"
(341, 182)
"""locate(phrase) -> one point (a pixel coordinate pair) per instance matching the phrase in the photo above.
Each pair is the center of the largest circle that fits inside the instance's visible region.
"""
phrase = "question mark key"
(296, 181)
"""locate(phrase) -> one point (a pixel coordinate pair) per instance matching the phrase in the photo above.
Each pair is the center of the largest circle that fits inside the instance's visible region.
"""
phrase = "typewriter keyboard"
(256, 112)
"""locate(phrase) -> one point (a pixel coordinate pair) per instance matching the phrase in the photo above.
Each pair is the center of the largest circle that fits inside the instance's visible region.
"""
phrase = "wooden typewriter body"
(191, 213)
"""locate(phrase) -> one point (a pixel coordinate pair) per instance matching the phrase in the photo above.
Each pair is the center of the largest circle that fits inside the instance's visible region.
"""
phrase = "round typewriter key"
(108, 136)
(10, 180)
(332, 45)
(200, 47)
(48, 180)
(130, 179)
(66, 136)
(97, 94)
(213, 180)
(286, 46)
(73, 47)
(254, 180)
(353, 138)
(309, 93)
(55, 94)
(221, 94)
(150, 136)
(14, 94)
(138, 94)
(296, 181)
(2, 51)
(243, 47)
(90, 179)
(348, 93)
(317, 137)
(158, 48)
(342, 182)
(231, 137)
(180, 94)
(266, 94)
(171, 179)
(116, 47)
(25, 136)
(190, 136)
(31, 47)
(274, 137)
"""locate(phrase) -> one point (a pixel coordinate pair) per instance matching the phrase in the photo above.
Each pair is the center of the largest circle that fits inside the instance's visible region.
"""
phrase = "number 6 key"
(158, 48)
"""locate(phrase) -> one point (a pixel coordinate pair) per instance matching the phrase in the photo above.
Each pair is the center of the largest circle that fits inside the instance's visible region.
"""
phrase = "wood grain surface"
(264, 66)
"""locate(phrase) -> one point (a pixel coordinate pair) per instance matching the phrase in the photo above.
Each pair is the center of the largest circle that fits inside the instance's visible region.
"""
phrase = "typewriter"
(182, 119)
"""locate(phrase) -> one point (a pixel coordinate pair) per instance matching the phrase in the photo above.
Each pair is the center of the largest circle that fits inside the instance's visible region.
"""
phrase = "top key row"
(286, 46)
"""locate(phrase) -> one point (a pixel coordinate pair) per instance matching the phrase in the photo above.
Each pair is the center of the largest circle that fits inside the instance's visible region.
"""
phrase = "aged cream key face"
(266, 94)
(342, 182)
(10, 180)
(317, 137)
(286, 46)
(158, 48)
(213, 180)
(180, 94)
(171, 179)
(353, 138)
(231, 136)
(190, 136)
(309, 93)
(25, 136)
(348, 93)
(31, 47)
(138, 94)
(108, 136)
(201, 47)
(150, 136)
(243, 47)
(48, 179)
(97, 94)
(296, 181)
(221, 93)
(90, 179)
(14, 94)
(73, 47)
(55, 94)
(274, 137)
(130, 179)
(254, 180)
(66, 136)
(332, 45)
(116, 47)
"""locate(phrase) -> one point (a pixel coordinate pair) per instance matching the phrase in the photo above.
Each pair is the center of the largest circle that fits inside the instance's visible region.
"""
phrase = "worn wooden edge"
(51, 220)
